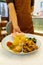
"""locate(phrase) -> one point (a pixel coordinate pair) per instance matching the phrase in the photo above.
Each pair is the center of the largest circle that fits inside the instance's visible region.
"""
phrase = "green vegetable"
(33, 39)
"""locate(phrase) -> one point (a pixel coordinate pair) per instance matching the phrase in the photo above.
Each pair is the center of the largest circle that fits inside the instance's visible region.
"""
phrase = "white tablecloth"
(6, 58)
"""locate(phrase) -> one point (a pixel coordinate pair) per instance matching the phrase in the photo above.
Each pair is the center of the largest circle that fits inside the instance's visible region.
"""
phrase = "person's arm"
(13, 16)
(32, 6)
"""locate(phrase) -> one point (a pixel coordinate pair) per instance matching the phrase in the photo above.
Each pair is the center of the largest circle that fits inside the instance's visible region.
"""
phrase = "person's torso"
(22, 8)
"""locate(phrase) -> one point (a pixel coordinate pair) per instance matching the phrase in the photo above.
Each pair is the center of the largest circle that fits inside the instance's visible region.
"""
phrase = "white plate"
(10, 38)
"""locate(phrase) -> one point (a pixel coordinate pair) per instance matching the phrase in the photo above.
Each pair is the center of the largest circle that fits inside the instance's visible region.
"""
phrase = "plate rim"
(21, 52)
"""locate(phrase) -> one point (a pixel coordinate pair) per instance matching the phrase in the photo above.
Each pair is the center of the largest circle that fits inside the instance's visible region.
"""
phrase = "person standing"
(20, 15)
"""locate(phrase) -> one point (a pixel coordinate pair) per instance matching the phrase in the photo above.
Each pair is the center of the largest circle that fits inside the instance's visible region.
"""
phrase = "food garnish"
(23, 44)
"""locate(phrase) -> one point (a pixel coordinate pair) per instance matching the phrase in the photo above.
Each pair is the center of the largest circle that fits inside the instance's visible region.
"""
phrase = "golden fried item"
(29, 46)
(18, 49)
(19, 39)
(22, 44)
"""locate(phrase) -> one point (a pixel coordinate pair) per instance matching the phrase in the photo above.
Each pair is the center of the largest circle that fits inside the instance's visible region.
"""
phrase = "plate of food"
(21, 44)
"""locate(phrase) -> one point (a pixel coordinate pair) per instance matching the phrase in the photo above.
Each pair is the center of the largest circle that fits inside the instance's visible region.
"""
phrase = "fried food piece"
(18, 49)
(26, 49)
(30, 42)
(35, 47)
(29, 46)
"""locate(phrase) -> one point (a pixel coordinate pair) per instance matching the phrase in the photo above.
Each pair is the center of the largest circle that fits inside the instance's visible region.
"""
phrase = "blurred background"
(37, 17)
